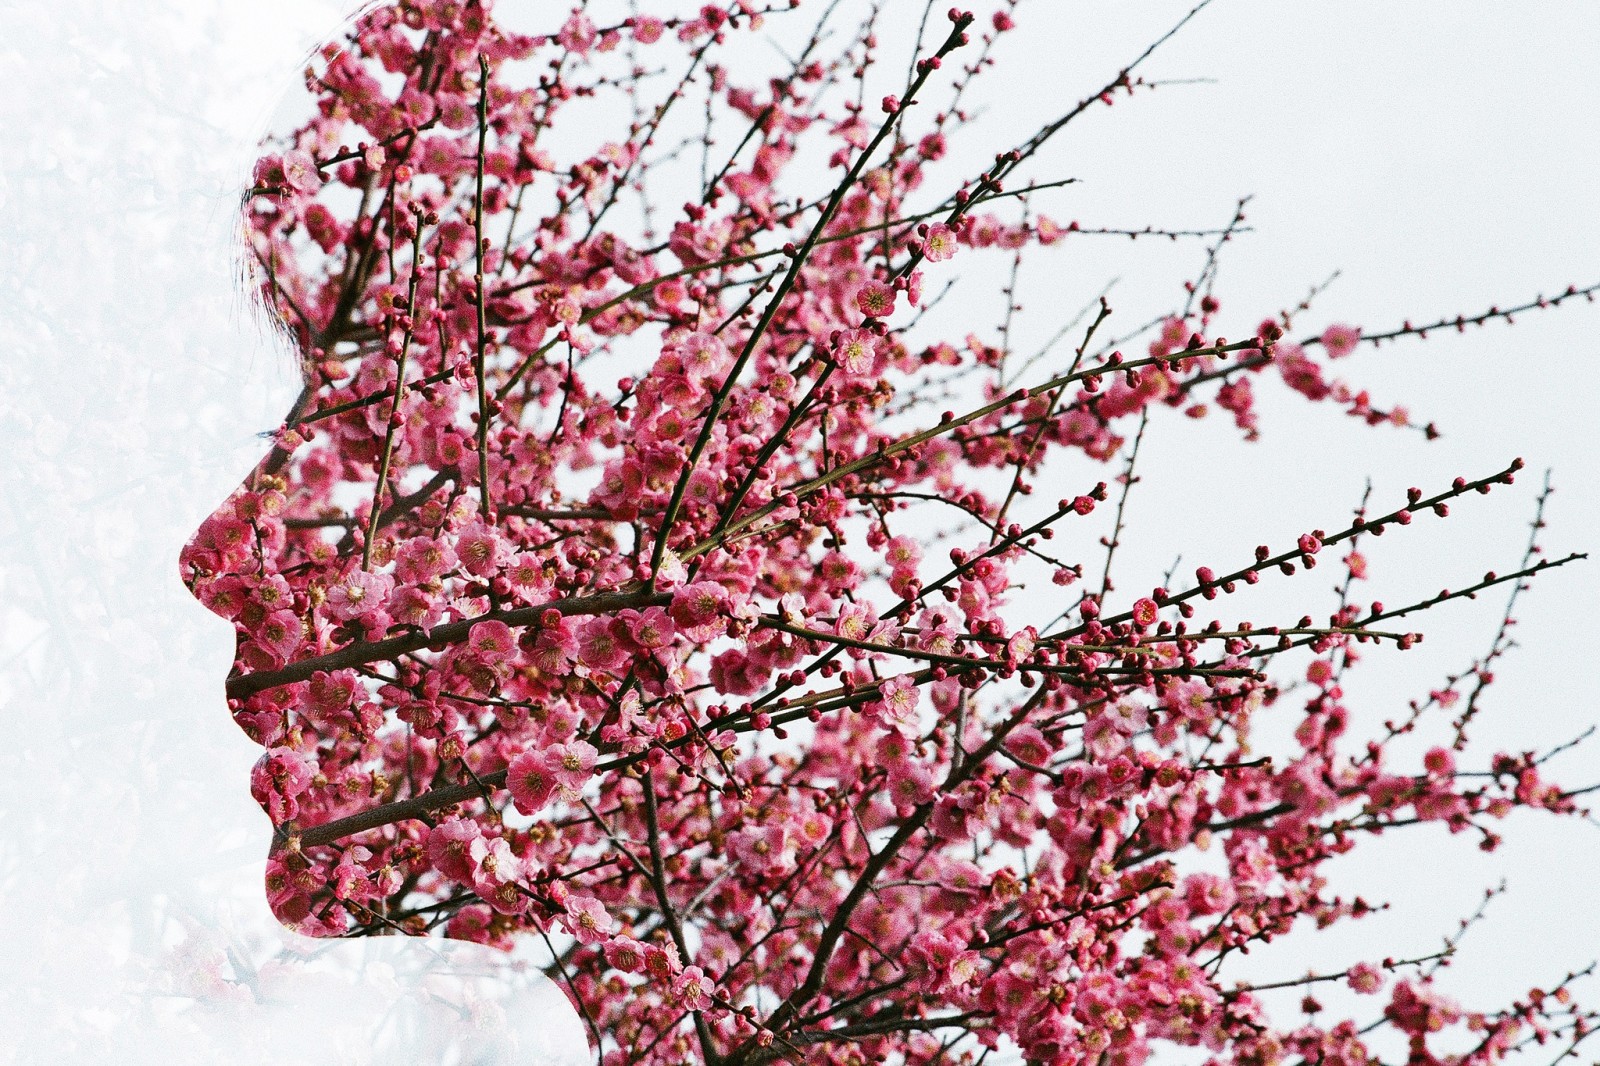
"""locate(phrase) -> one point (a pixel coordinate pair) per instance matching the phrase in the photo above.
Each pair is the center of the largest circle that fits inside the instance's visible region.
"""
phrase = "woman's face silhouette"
(436, 600)
(435, 608)
(428, 613)
(354, 557)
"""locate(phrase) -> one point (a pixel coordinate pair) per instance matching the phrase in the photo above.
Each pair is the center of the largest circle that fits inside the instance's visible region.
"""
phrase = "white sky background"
(1442, 155)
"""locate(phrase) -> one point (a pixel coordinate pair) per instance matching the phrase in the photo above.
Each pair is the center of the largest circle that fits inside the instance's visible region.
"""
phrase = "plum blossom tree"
(589, 592)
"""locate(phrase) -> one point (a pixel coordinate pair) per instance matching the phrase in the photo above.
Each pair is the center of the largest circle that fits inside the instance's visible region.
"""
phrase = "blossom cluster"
(587, 591)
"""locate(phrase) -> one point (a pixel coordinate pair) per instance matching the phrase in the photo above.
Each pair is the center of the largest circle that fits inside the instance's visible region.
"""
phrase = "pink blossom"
(531, 781)
(422, 560)
(411, 606)
(1207, 893)
(281, 632)
(693, 989)
(875, 300)
(940, 243)
(492, 641)
(527, 572)
(356, 593)
(1102, 737)
(279, 779)
(902, 552)
(300, 171)
(571, 763)
(479, 548)
(598, 646)
(896, 707)
(1416, 1007)
(698, 610)
(761, 849)
(587, 920)
(1301, 374)
(1439, 762)
(647, 29)
(910, 784)
(855, 622)
(736, 673)
(450, 847)
(661, 962)
(1340, 341)
(1145, 612)
(496, 875)
(625, 954)
(858, 353)
(704, 356)
(556, 646)
(578, 34)
(651, 628)
(1364, 978)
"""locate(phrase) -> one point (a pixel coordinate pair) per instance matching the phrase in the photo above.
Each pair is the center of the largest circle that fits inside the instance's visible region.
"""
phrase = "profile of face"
(518, 589)
(474, 580)
(353, 557)
(436, 602)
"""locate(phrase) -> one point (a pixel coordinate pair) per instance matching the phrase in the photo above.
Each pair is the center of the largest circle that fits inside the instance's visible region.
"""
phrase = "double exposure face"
(625, 578)
(477, 579)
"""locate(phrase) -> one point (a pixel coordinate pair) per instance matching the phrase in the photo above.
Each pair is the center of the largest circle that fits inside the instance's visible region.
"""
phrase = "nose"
(231, 565)
(228, 547)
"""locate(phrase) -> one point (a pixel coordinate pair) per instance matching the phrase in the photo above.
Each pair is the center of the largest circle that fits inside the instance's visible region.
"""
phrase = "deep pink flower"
(734, 672)
(450, 848)
(876, 299)
(598, 646)
(571, 763)
(357, 593)
(280, 778)
(625, 954)
(1145, 612)
(422, 560)
(1340, 341)
(587, 920)
(531, 781)
(699, 610)
(492, 641)
(1439, 762)
(1301, 374)
(526, 571)
(647, 29)
(578, 34)
(661, 961)
(858, 354)
(281, 632)
(693, 989)
(480, 549)
(940, 243)
(1102, 737)
(411, 606)
(910, 784)
(761, 849)
(651, 628)
(1364, 979)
